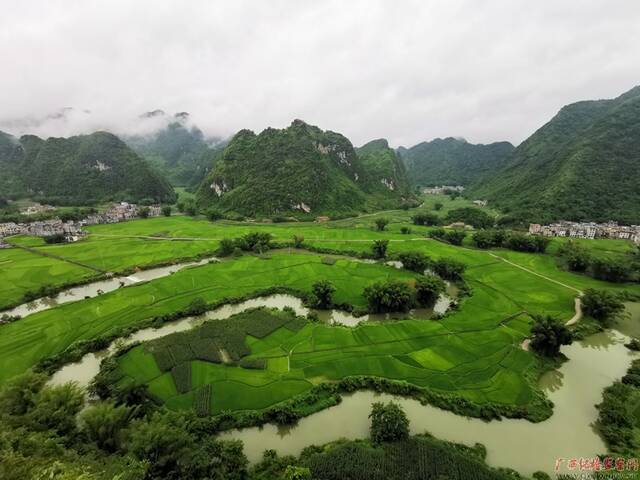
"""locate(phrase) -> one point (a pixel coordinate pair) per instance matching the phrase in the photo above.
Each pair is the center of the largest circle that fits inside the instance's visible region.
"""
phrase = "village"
(588, 230)
(72, 230)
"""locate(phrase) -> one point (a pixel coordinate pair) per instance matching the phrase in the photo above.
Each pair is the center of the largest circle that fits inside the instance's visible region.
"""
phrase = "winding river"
(575, 388)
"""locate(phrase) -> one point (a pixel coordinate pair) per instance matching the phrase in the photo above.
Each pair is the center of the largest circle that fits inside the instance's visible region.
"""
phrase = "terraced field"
(473, 353)
(484, 365)
(25, 342)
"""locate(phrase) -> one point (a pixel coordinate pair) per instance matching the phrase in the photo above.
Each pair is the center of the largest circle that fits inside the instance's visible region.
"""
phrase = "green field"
(483, 365)
(473, 352)
(22, 271)
(24, 343)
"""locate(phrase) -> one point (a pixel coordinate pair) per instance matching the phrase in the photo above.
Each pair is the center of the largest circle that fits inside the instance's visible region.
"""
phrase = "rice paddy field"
(473, 353)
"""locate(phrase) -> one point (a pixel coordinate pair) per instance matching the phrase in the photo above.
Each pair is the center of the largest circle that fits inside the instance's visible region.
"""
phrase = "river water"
(88, 367)
(575, 388)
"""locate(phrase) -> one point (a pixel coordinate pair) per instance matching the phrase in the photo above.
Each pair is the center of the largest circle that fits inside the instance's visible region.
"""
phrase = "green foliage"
(296, 473)
(179, 151)
(390, 296)
(414, 261)
(576, 256)
(417, 458)
(166, 210)
(405, 230)
(489, 238)
(613, 270)
(602, 305)
(426, 219)
(78, 170)
(55, 238)
(470, 216)
(548, 335)
(428, 289)
(559, 171)
(381, 223)
(56, 408)
(19, 394)
(143, 212)
(452, 161)
(389, 423)
(379, 248)
(323, 291)
(454, 237)
(213, 214)
(527, 243)
(448, 268)
(298, 241)
(301, 169)
(104, 424)
(438, 206)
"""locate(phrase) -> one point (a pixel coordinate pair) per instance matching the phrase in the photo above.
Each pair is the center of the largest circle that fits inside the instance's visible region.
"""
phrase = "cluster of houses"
(443, 189)
(589, 230)
(37, 208)
(72, 230)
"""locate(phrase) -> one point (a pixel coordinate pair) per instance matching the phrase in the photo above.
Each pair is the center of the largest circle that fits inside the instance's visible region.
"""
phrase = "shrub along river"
(575, 388)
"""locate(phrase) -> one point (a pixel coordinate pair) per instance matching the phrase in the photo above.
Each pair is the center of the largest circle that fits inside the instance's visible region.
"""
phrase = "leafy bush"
(414, 261)
(379, 248)
(389, 423)
(470, 216)
(548, 335)
(602, 305)
(425, 219)
(455, 237)
(428, 289)
(448, 268)
(381, 223)
(489, 238)
(390, 296)
(527, 243)
(323, 291)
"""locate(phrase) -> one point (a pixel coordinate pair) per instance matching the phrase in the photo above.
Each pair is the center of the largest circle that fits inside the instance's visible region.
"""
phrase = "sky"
(405, 70)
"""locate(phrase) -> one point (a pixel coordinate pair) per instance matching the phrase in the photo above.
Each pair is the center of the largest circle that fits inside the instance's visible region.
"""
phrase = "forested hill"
(584, 164)
(302, 169)
(179, 150)
(77, 170)
(452, 161)
(382, 168)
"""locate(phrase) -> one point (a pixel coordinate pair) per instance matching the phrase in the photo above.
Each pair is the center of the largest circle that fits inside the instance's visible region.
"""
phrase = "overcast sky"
(406, 70)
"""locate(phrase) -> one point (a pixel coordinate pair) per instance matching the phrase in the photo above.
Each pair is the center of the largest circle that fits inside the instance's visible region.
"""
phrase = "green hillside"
(452, 161)
(180, 152)
(301, 169)
(584, 164)
(77, 170)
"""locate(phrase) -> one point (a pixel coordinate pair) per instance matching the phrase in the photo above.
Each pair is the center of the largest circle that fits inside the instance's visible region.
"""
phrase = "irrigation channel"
(575, 388)
(93, 289)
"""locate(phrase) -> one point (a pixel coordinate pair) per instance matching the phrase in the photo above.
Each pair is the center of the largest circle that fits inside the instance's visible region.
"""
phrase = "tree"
(166, 210)
(455, 237)
(254, 242)
(226, 248)
(548, 335)
(414, 261)
(489, 238)
(214, 214)
(425, 219)
(428, 289)
(104, 424)
(143, 212)
(602, 305)
(389, 423)
(405, 230)
(471, 216)
(381, 224)
(323, 292)
(611, 270)
(56, 408)
(379, 248)
(438, 206)
(448, 268)
(389, 296)
(162, 441)
(197, 306)
(293, 472)
(298, 241)
(18, 395)
(576, 256)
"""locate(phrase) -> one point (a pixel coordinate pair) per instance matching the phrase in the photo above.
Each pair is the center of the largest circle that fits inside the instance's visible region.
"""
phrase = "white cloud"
(406, 70)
